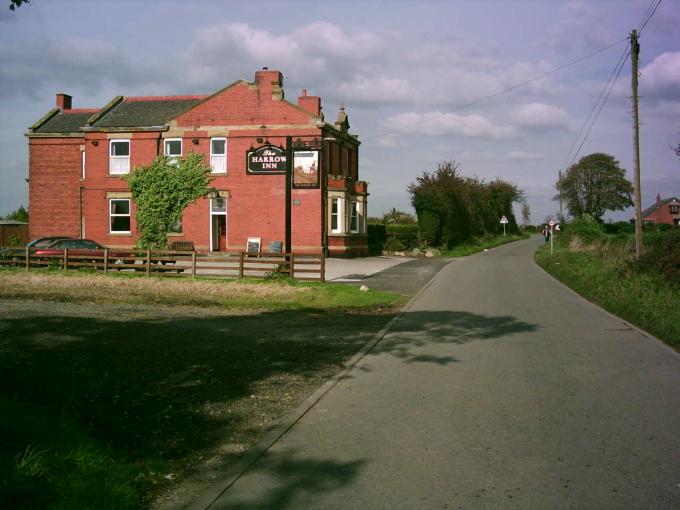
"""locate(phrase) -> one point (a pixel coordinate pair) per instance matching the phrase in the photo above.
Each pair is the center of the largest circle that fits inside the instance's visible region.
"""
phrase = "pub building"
(77, 158)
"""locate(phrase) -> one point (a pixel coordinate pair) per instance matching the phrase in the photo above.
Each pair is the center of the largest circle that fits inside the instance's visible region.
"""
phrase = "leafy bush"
(377, 235)
(393, 244)
(586, 228)
(406, 234)
(620, 227)
(662, 256)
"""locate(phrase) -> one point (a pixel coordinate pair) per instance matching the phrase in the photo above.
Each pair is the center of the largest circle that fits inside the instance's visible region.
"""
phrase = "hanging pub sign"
(306, 169)
(268, 159)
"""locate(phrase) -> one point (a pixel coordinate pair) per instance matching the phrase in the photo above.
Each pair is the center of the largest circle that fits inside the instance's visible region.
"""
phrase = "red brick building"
(665, 210)
(77, 158)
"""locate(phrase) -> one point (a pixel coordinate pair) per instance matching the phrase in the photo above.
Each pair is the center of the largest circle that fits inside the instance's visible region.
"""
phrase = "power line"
(618, 73)
(651, 9)
(588, 118)
(648, 16)
(496, 94)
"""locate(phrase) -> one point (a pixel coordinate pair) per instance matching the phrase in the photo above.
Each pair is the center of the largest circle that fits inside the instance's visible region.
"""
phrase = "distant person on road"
(546, 233)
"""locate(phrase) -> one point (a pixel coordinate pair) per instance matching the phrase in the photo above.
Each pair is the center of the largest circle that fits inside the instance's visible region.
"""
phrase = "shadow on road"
(290, 479)
(415, 337)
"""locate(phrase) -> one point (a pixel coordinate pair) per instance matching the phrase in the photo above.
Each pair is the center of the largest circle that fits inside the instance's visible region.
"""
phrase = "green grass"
(464, 250)
(107, 402)
(246, 294)
(646, 300)
(48, 461)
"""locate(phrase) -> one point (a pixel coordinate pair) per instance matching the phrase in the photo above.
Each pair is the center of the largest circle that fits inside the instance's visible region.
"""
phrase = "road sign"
(551, 223)
(504, 220)
(557, 227)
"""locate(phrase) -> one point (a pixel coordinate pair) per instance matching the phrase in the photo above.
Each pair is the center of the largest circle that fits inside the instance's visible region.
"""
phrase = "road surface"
(497, 389)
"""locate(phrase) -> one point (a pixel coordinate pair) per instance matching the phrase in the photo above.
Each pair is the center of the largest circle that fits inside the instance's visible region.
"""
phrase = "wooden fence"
(240, 264)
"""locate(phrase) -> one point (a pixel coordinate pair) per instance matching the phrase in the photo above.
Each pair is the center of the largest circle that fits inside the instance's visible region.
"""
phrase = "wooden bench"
(183, 246)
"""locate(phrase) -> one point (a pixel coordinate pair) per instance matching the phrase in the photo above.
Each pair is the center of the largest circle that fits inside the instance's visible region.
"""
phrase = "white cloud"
(439, 124)
(375, 90)
(524, 156)
(540, 116)
(660, 79)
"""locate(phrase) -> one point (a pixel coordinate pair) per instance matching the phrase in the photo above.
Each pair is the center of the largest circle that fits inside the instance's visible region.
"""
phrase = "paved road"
(498, 389)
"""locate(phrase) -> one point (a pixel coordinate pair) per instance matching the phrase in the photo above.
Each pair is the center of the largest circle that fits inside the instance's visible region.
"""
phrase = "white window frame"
(111, 215)
(173, 158)
(340, 214)
(214, 157)
(119, 165)
(354, 215)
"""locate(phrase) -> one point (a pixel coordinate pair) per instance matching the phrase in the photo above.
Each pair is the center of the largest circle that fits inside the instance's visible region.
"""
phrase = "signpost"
(504, 221)
(552, 226)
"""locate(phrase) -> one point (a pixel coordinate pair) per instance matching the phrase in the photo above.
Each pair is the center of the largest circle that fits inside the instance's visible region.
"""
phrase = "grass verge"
(203, 292)
(646, 300)
(482, 244)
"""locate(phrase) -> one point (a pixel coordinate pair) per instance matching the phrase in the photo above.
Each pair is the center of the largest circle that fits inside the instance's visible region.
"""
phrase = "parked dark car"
(79, 247)
(43, 242)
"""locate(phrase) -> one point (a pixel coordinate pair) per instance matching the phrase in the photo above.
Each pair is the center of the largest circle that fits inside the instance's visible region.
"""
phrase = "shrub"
(377, 235)
(620, 227)
(586, 228)
(406, 234)
(393, 244)
(662, 256)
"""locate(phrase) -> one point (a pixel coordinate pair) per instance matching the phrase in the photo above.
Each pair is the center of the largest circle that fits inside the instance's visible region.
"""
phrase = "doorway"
(218, 224)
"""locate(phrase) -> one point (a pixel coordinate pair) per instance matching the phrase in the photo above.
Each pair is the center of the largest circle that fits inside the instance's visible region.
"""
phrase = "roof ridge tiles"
(166, 98)
(81, 110)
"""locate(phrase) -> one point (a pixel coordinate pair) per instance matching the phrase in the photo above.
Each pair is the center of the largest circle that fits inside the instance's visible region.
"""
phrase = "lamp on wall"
(194, 141)
(95, 142)
(213, 193)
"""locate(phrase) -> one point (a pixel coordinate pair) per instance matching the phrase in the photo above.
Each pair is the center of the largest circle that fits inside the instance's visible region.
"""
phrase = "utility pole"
(634, 53)
(560, 193)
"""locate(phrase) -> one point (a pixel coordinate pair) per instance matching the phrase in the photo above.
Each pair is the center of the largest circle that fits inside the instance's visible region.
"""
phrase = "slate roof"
(64, 123)
(128, 113)
(144, 113)
(652, 209)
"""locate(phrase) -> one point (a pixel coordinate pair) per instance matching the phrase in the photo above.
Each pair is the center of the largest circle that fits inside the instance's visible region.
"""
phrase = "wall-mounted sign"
(306, 169)
(268, 159)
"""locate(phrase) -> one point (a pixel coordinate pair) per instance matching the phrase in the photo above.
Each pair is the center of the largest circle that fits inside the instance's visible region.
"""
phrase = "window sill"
(120, 234)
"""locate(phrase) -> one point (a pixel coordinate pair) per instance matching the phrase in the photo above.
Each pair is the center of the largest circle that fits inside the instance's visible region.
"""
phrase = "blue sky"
(398, 66)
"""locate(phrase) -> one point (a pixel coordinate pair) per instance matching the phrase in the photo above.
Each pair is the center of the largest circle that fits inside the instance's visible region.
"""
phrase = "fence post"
(106, 260)
(193, 264)
(322, 268)
(148, 262)
(65, 259)
(241, 257)
(28, 258)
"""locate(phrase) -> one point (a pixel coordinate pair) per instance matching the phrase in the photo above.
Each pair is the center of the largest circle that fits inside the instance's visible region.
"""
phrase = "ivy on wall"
(162, 190)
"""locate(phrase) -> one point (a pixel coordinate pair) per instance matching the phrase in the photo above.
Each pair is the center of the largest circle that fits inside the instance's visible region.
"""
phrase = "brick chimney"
(310, 103)
(64, 102)
(270, 81)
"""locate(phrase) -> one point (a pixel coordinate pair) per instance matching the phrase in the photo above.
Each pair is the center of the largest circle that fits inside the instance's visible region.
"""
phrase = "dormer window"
(119, 157)
(173, 149)
(674, 208)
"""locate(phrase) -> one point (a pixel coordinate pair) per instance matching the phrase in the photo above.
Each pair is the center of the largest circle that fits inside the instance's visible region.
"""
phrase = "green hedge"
(407, 235)
(377, 235)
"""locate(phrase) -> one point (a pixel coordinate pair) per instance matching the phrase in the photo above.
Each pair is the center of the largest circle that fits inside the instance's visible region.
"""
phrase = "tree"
(398, 218)
(526, 213)
(162, 190)
(13, 4)
(20, 214)
(594, 185)
(676, 149)
(453, 209)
